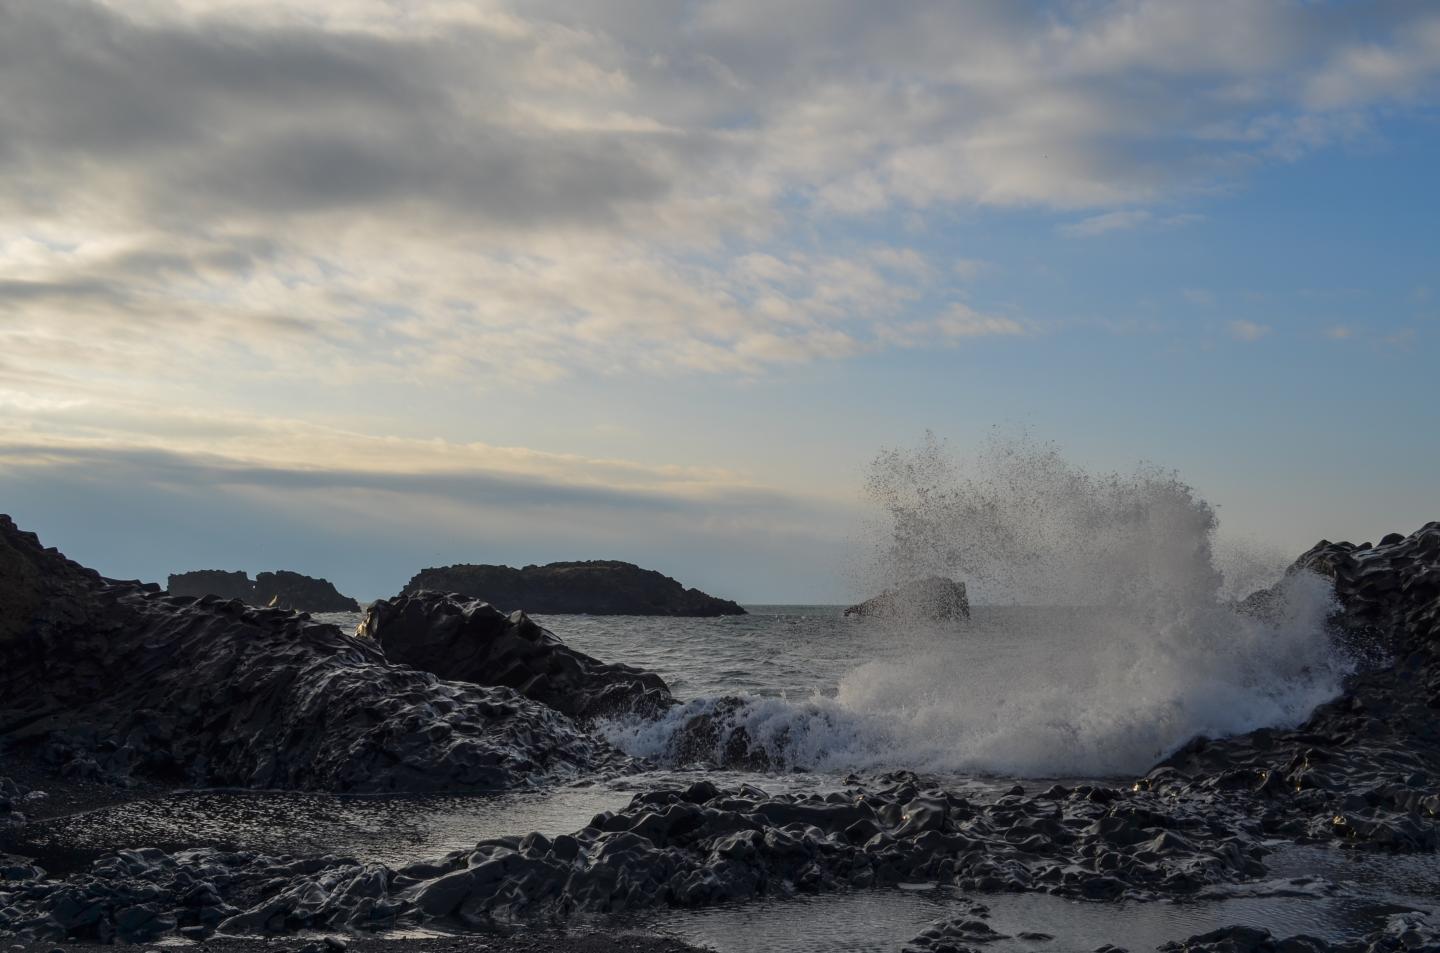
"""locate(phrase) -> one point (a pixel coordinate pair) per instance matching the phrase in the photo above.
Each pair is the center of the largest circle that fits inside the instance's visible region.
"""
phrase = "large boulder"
(104, 678)
(594, 587)
(933, 597)
(472, 641)
(281, 589)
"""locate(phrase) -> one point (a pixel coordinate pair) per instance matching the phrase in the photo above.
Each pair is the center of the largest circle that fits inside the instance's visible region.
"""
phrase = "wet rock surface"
(593, 587)
(472, 641)
(1402, 932)
(106, 679)
(1364, 769)
(281, 589)
(934, 597)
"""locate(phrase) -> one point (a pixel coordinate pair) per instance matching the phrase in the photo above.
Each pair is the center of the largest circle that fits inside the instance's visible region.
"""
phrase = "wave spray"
(1100, 642)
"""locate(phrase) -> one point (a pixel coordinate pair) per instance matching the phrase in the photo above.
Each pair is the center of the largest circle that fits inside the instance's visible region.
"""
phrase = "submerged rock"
(280, 590)
(934, 597)
(471, 641)
(593, 587)
(102, 678)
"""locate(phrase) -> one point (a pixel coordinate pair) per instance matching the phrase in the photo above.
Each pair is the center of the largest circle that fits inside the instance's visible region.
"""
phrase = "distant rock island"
(591, 587)
(933, 597)
(281, 589)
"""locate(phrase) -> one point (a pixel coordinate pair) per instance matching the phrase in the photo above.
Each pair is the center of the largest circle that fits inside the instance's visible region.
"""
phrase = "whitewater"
(1105, 637)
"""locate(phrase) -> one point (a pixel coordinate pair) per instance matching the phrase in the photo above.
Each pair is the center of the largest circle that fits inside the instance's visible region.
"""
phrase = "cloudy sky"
(356, 286)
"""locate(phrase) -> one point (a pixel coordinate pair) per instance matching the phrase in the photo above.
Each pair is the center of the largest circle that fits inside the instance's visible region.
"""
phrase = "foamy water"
(1135, 653)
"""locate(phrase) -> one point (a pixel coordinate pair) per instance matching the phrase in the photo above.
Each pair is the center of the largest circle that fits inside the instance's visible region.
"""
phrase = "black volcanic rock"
(281, 589)
(471, 641)
(221, 583)
(103, 678)
(594, 587)
(293, 590)
(1361, 769)
(933, 597)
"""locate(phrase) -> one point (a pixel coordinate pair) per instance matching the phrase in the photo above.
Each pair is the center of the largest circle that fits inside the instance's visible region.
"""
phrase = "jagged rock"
(278, 590)
(1360, 770)
(1401, 933)
(472, 641)
(594, 587)
(934, 597)
(103, 678)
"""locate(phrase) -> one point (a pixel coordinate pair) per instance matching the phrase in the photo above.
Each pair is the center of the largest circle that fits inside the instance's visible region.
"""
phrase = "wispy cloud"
(1124, 220)
(1248, 330)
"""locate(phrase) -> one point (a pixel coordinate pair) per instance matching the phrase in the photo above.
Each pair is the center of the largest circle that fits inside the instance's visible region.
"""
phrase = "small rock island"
(590, 587)
(281, 589)
(933, 597)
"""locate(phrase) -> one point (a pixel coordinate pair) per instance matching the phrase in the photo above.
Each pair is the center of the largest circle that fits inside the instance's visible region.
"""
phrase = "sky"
(355, 287)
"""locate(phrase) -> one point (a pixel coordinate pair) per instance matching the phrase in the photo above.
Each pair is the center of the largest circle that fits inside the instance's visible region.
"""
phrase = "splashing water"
(1131, 652)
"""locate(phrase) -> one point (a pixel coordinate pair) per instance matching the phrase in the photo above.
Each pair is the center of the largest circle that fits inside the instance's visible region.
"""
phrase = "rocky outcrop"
(471, 641)
(933, 597)
(279, 590)
(220, 583)
(292, 590)
(104, 678)
(595, 587)
(1362, 769)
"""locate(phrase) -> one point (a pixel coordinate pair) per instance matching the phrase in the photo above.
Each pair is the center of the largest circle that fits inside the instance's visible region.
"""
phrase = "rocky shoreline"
(445, 694)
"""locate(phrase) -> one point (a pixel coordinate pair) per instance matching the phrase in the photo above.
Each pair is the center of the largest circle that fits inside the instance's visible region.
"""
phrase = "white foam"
(1151, 658)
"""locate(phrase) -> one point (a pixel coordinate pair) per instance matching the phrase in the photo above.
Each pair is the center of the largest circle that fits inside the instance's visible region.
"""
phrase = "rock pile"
(471, 641)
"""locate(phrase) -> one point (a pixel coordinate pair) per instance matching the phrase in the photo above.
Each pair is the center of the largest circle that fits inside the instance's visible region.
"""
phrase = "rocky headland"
(933, 597)
(222, 693)
(591, 587)
(281, 589)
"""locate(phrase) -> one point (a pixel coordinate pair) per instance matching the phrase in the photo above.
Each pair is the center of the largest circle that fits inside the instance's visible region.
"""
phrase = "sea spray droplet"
(1116, 648)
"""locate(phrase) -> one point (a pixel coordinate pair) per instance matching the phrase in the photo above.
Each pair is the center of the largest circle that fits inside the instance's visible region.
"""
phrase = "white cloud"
(1339, 333)
(1248, 330)
(500, 193)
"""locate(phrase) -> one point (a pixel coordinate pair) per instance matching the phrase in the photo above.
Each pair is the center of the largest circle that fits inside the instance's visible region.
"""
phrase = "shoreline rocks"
(934, 598)
(281, 589)
(593, 587)
(102, 679)
(471, 641)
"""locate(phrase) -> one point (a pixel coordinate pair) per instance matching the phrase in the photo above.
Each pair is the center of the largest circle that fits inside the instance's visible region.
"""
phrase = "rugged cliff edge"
(281, 589)
(103, 678)
(594, 587)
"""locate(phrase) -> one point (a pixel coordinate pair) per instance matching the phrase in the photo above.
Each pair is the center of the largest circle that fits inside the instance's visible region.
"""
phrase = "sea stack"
(281, 589)
(592, 587)
(933, 597)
